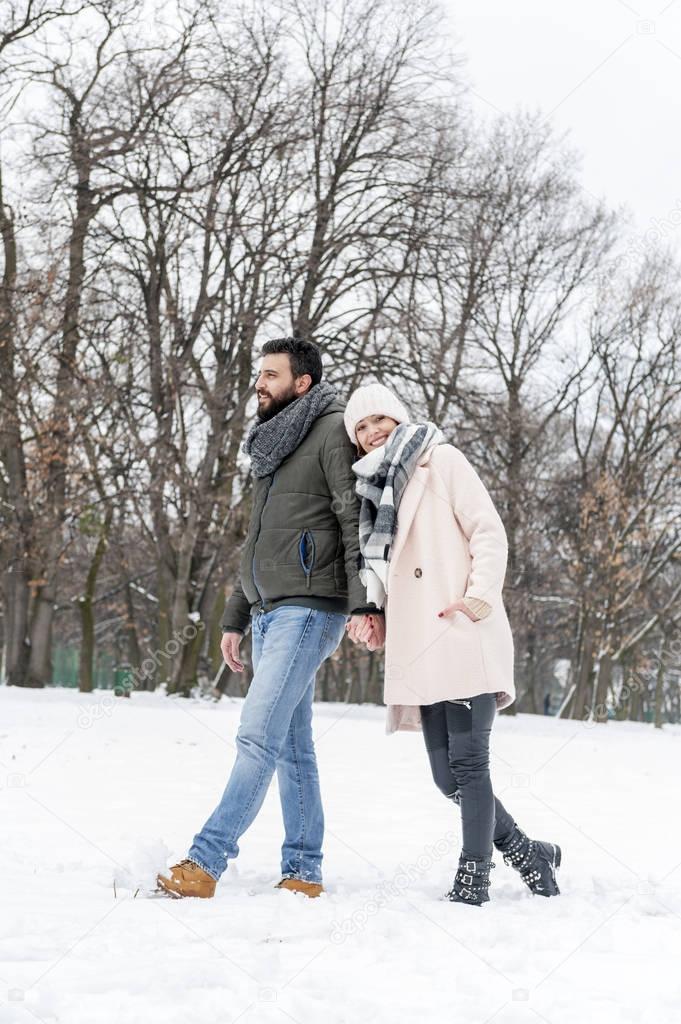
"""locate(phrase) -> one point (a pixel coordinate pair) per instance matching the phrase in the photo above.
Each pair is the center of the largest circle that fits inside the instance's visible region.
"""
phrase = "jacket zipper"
(302, 553)
(262, 512)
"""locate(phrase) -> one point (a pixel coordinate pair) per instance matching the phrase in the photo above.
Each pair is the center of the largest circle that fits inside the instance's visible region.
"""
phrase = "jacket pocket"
(306, 552)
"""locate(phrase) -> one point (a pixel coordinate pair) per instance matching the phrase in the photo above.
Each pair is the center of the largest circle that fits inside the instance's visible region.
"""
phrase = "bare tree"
(627, 540)
(89, 132)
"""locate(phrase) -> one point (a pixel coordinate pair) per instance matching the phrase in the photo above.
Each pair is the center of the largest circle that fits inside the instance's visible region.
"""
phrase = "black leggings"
(457, 740)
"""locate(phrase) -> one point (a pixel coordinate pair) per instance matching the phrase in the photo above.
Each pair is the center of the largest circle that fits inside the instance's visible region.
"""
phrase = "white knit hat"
(373, 400)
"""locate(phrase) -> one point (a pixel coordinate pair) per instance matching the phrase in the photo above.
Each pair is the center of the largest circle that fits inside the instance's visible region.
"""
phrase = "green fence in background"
(65, 664)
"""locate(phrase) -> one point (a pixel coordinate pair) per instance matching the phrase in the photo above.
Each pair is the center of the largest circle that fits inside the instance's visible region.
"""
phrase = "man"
(299, 579)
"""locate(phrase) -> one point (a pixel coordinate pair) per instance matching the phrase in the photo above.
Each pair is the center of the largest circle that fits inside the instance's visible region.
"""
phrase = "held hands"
(368, 630)
(362, 629)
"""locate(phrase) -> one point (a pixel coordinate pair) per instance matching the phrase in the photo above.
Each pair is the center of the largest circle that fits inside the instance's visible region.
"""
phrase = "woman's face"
(373, 431)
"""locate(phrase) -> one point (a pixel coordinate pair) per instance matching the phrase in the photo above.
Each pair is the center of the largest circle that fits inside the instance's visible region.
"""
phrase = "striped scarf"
(382, 475)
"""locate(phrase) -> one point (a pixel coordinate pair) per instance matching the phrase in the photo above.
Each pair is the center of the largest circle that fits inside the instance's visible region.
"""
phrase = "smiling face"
(373, 431)
(276, 387)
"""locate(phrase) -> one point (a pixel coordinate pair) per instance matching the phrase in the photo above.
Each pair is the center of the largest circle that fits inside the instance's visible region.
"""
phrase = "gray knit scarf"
(382, 475)
(269, 443)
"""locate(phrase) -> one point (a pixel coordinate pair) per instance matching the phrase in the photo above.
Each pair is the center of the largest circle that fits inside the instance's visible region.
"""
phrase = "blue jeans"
(275, 731)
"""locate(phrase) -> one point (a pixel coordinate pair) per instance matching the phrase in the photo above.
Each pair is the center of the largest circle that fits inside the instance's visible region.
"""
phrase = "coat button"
(418, 573)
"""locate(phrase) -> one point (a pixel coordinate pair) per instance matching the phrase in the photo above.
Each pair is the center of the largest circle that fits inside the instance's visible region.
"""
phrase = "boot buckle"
(470, 865)
(467, 879)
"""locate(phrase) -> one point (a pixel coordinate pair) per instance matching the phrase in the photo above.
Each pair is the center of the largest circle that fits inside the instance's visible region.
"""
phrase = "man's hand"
(230, 650)
(367, 629)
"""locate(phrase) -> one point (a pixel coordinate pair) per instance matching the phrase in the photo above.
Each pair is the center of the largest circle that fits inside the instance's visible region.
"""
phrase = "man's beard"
(275, 405)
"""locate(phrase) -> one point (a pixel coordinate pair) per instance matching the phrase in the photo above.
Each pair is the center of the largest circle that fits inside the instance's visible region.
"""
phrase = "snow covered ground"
(96, 790)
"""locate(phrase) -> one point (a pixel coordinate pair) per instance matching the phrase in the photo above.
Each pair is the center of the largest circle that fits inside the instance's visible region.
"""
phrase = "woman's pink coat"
(450, 543)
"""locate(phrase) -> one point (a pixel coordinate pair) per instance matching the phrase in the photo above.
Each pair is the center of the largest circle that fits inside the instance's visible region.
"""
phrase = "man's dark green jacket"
(303, 537)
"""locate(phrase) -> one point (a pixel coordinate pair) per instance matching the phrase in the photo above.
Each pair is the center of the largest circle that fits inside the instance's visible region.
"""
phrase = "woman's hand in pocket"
(457, 606)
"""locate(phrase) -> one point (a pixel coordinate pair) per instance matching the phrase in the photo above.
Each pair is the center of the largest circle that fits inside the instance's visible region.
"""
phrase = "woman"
(434, 557)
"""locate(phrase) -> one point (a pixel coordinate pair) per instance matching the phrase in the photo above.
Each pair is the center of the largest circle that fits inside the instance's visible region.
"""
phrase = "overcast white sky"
(607, 70)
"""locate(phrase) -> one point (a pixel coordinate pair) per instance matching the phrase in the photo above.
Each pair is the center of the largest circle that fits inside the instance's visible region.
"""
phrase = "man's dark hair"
(304, 356)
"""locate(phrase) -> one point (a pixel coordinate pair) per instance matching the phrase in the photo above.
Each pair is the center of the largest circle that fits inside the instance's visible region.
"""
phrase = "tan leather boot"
(310, 889)
(188, 879)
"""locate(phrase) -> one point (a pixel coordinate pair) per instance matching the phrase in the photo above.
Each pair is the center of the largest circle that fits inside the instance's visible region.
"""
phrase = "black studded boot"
(471, 882)
(535, 861)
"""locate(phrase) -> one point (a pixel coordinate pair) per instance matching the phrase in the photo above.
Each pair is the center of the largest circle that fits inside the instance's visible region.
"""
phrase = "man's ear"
(303, 383)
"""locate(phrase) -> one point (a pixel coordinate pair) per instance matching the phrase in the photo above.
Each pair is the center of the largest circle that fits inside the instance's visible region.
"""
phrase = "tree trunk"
(582, 699)
(59, 437)
(86, 603)
(163, 588)
(16, 520)
(132, 644)
(603, 685)
(635, 706)
(215, 631)
(659, 682)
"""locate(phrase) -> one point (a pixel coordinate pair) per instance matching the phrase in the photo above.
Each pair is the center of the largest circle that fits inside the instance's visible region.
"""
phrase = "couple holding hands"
(366, 523)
